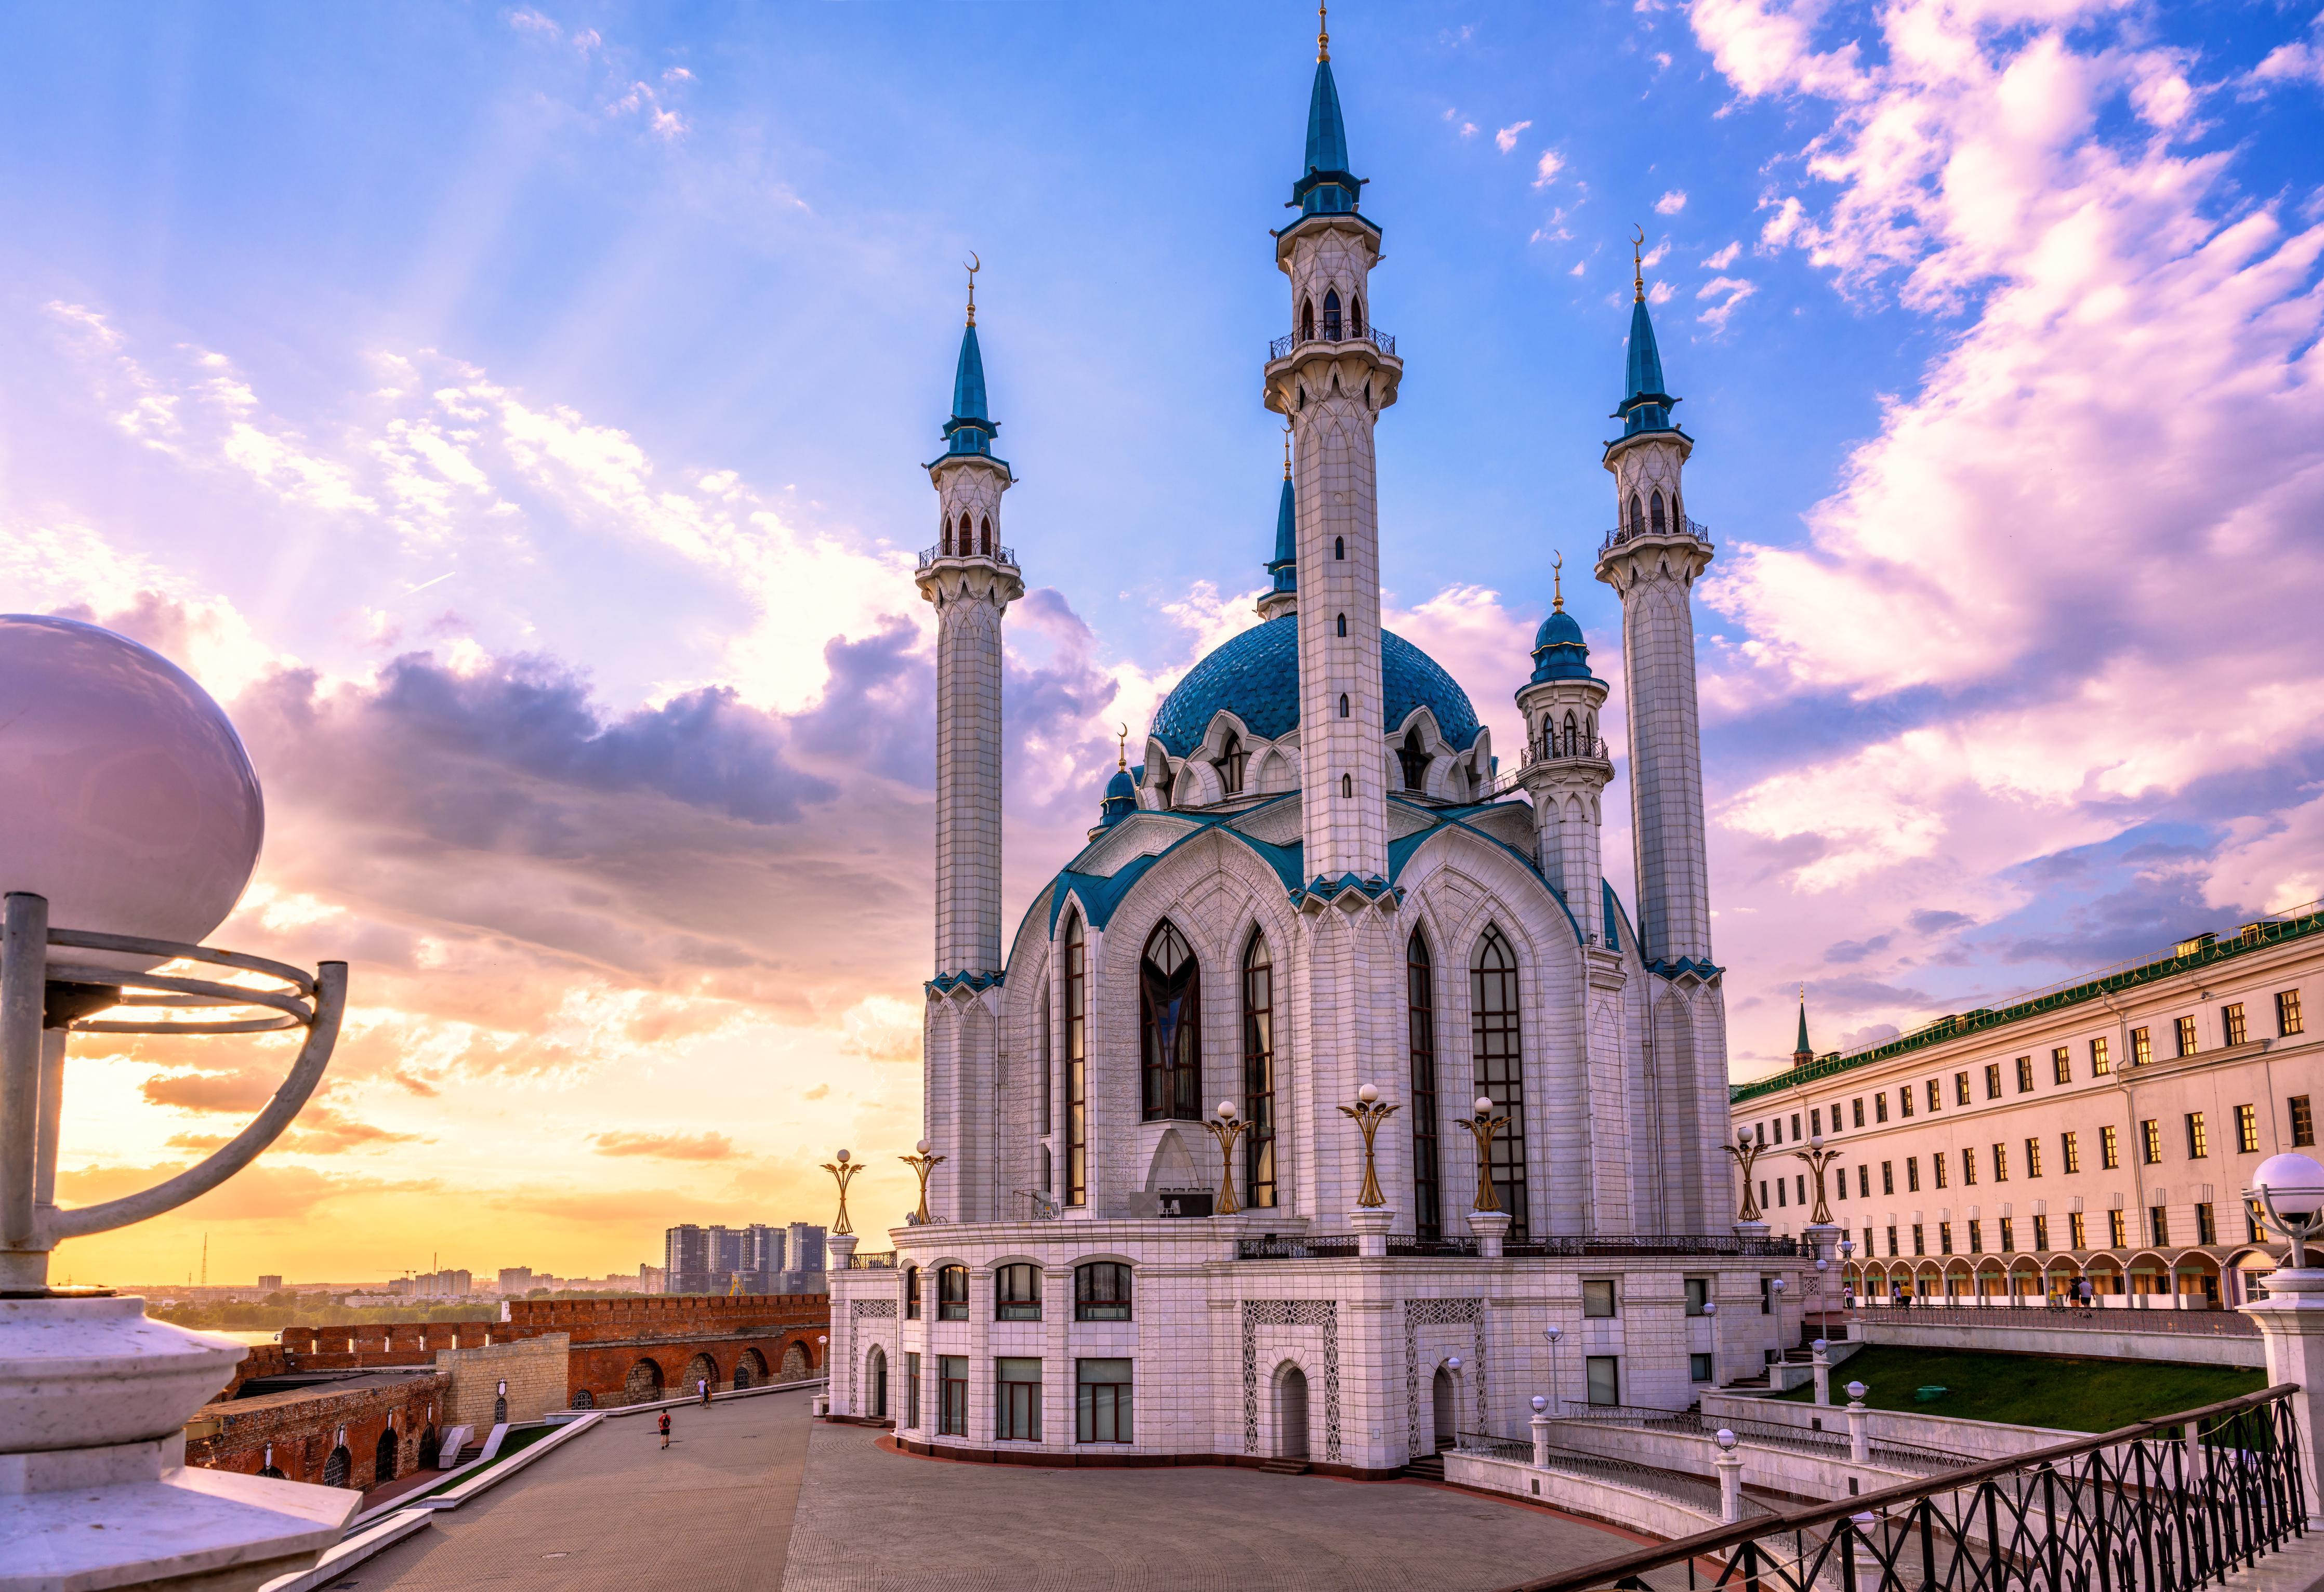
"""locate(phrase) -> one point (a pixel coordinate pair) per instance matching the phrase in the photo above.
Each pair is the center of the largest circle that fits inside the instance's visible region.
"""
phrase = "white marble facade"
(1318, 829)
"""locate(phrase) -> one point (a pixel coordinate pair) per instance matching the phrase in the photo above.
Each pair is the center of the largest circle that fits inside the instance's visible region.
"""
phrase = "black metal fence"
(876, 1260)
(1330, 334)
(2165, 1505)
(1402, 1246)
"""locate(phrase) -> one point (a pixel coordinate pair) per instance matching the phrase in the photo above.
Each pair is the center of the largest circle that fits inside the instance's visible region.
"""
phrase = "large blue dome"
(1255, 675)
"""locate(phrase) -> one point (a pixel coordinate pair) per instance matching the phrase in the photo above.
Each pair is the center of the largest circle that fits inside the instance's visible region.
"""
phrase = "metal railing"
(2046, 1314)
(1680, 526)
(2163, 1506)
(1885, 1452)
(1371, 335)
(1689, 1492)
(878, 1260)
(1578, 1246)
(941, 550)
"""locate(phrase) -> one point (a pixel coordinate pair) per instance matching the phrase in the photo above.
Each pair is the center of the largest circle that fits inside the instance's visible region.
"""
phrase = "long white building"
(1314, 882)
(2105, 1128)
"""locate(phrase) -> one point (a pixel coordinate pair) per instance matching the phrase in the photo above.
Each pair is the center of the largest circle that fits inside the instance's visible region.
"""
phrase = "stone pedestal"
(1750, 1229)
(1860, 1433)
(1729, 1466)
(2291, 1325)
(838, 1249)
(1541, 1442)
(94, 1487)
(1491, 1228)
(1821, 1361)
(1371, 1227)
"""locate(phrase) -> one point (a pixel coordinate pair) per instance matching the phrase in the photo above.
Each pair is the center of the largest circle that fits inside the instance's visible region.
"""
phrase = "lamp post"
(1226, 1129)
(1555, 1335)
(1846, 1289)
(134, 823)
(1818, 1158)
(1481, 1127)
(923, 1163)
(2290, 1188)
(842, 1172)
(1747, 1152)
(1369, 1112)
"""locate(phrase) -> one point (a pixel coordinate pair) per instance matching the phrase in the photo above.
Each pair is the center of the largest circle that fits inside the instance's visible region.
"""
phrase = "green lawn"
(2033, 1390)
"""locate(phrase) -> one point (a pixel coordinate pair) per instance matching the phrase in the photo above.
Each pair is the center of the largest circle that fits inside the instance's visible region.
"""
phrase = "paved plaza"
(611, 1510)
(869, 1519)
(753, 1496)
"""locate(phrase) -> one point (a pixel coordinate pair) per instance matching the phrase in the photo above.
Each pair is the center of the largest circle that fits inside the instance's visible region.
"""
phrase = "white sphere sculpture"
(2294, 1181)
(131, 806)
(1484, 1106)
(1539, 1403)
(1369, 1093)
(1226, 1110)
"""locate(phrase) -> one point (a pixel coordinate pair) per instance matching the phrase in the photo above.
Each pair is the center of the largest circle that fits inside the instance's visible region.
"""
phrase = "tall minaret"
(1330, 378)
(972, 579)
(1651, 558)
(1566, 765)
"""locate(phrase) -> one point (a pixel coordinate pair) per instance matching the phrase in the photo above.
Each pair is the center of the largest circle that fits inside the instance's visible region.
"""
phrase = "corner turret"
(1567, 766)
(1283, 595)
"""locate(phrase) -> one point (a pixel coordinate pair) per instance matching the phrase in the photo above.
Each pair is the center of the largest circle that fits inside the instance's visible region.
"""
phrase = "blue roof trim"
(1255, 675)
(1400, 852)
(1685, 967)
(1616, 924)
(944, 983)
(1100, 895)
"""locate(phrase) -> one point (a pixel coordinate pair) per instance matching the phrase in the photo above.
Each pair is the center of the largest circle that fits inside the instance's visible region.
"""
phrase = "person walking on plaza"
(665, 1428)
(702, 1385)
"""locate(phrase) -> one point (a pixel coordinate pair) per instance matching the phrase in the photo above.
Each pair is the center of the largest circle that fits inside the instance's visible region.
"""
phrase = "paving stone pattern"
(869, 1519)
(610, 1509)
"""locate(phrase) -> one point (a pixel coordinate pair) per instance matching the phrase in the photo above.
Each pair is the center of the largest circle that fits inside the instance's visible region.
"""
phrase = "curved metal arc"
(224, 994)
(246, 1026)
(330, 985)
(176, 951)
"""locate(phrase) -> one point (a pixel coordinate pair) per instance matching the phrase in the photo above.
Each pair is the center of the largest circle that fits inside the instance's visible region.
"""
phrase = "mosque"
(1329, 1101)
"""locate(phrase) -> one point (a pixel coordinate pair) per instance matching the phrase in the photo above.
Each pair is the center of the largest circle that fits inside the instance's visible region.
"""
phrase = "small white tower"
(1330, 378)
(1566, 767)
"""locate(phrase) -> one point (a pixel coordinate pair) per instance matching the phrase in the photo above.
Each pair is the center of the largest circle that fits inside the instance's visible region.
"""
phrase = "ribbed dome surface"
(1255, 675)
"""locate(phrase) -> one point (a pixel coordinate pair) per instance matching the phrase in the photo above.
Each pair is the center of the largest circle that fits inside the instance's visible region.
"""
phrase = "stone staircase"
(1285, 1467)
(1427, 1467)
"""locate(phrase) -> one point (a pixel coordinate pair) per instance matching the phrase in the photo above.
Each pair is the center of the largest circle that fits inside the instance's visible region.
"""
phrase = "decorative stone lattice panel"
(1291, 1313)
(1437, 1312)
(862, 1308)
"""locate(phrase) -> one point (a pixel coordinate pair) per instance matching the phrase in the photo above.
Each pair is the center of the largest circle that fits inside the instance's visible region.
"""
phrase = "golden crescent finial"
(1637, 271)
(1287, 450)
(1121, 758)
(973, 266)
(1557, 574)
(1323, 32)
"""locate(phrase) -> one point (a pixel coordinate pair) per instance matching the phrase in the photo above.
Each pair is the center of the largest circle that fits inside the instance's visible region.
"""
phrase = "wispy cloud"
(1506, 138)
(1671, 203)
(1546, 168)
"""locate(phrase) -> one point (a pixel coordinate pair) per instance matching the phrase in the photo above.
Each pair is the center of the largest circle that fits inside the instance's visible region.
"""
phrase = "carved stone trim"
(1291, 1313)
(1438, 1312)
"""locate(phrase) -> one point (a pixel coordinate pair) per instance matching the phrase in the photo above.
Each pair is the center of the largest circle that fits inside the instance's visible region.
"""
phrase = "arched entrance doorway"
(1446, 1433)
(795, 1364)
(749, 1368)
(335, 1468)
(875, 1373)
(1291, 1414)
(383, 1460)
(643, 1384)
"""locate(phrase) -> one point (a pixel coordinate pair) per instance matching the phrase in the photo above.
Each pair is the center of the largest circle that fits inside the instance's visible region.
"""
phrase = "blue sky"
(514, 414)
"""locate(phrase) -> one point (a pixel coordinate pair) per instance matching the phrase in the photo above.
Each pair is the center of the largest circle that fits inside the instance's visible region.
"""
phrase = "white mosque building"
(1313, 884)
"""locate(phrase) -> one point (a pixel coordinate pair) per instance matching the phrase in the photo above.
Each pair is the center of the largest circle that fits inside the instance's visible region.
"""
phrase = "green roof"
(2202, 951)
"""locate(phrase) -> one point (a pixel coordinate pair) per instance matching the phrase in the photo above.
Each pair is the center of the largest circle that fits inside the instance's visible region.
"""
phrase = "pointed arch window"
(1344, 704)
(946, 548)
(1044, 1108)
(985, 535)
(1498, 1043)
(1572, 736)
(1344, 624)
(1076, 1048)
(1232, 761)
(1306, 322)
(1330, 315)
(1259, 1072)
(1638, 515)
(1347, 784)
(1356, 314)
(1654, 511)
(1414, 754)
(1170, 1028)
(1420, 1003)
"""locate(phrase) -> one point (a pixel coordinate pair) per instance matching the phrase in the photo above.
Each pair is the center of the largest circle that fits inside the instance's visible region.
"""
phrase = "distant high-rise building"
(516, 1279)
(805, 1246)
(270, 1284)
(763, 1247)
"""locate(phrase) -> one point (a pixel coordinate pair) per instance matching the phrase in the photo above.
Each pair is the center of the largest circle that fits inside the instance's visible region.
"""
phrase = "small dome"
(1255, 675)
(1559, 627)
(1121, 787)
(1121, 799)
(1559, 652)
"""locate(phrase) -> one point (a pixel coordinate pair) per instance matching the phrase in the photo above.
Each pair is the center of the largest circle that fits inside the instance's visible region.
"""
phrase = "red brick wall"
(304, 1426)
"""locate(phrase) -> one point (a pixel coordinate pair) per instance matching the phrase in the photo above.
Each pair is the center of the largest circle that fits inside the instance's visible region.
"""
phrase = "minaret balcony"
(1693, 529)
(1282, 346)
(944, 554)
(1560, 748)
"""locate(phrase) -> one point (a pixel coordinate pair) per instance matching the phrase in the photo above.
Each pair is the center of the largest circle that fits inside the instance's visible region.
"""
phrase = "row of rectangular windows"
(1100, 1292)
(2158, 1224)
(1103, 1407)
(2301, 1115)
(2232, 1024)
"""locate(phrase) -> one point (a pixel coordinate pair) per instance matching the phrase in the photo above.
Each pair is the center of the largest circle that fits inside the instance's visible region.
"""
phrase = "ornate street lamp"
(842, 1172)
(2290, 1189)
(1227, 1129)
(1747, 1152)
(923, 1163)
(1369, 1113)
(1818, 1158)
(133, 821)
(1554, 1335)
(1481, 1127)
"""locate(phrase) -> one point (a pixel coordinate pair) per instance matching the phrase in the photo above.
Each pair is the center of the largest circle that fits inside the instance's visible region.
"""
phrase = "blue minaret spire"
(1646, 402)
(970, 428)
(1327, 187)
(1284, 565)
